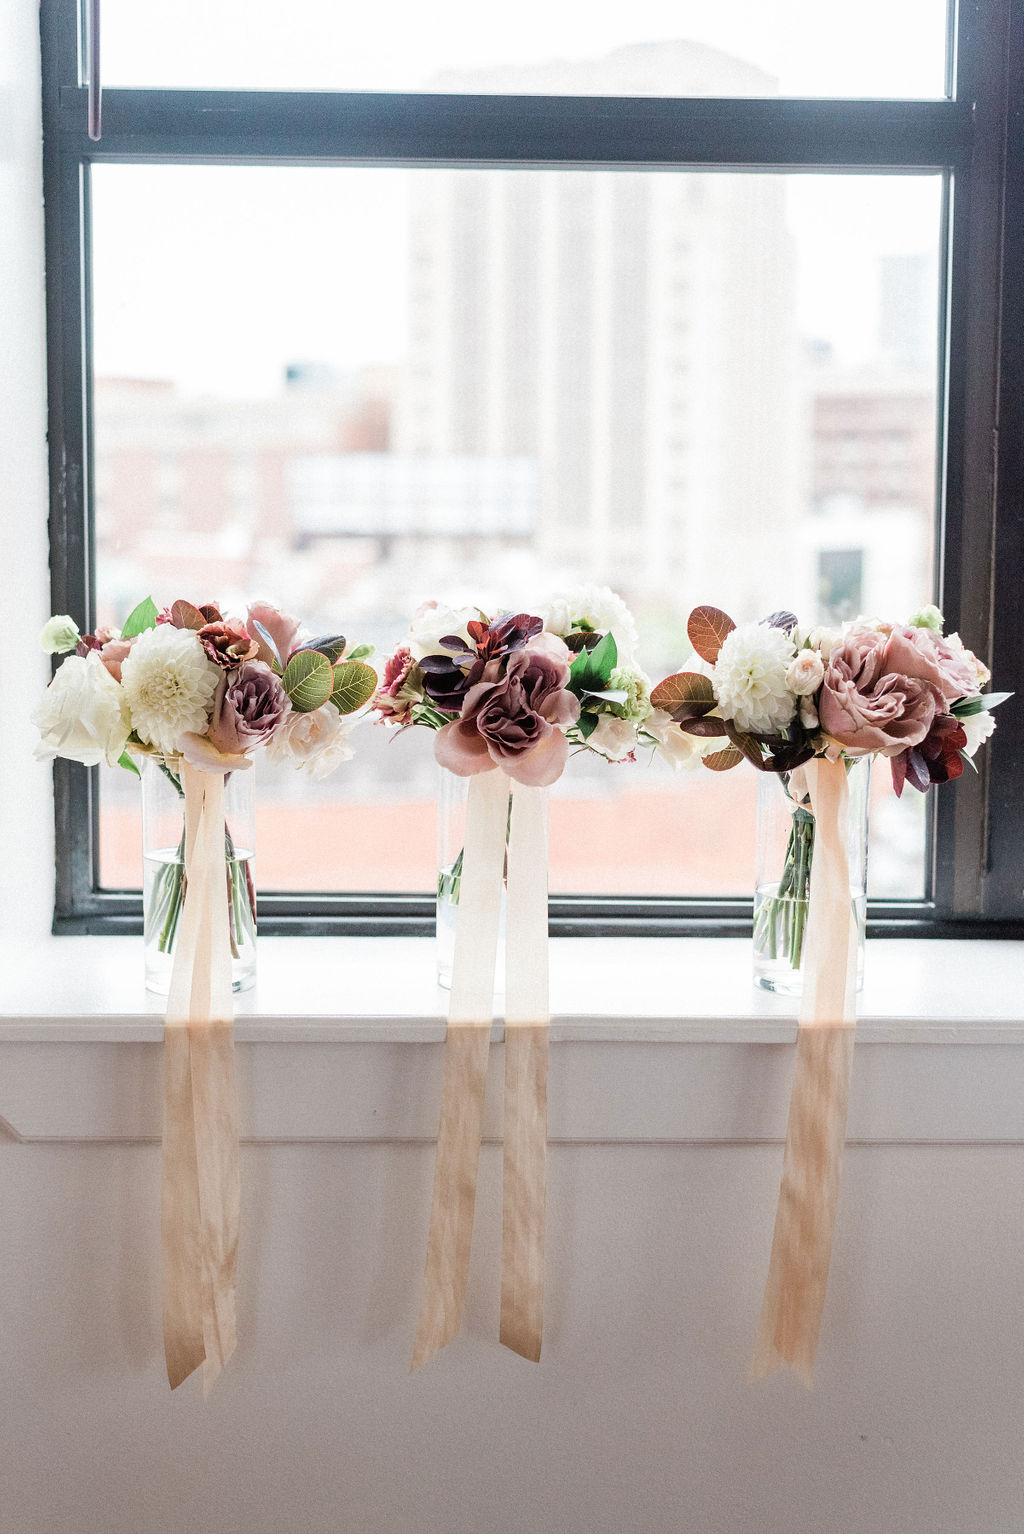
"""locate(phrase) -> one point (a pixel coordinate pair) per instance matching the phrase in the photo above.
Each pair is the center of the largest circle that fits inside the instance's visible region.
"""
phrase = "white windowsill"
(628, 990)
(341, 1042)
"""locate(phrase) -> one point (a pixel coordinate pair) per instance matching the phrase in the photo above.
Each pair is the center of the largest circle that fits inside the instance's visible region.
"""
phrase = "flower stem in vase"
(781, 917)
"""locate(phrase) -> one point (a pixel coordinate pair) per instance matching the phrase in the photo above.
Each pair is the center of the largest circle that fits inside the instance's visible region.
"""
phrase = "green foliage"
(308, 680)
(331, 645)
(128, 762)
(361, 652)
(591, 670)
(354, 685)
(140, 619)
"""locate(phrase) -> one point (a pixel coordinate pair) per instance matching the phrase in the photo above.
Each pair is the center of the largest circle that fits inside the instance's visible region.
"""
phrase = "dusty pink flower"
(227, 644)
(278, 625)
(515, 717)
(394, 699)
(112, 653)
(924, 653)
(879, 693)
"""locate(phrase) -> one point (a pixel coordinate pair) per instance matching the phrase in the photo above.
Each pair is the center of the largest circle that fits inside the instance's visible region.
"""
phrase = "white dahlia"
(597, 608)
(750, 678)
(169, 683)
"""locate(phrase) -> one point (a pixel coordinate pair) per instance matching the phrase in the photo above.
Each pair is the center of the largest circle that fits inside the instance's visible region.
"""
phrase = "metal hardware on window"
(92, 64)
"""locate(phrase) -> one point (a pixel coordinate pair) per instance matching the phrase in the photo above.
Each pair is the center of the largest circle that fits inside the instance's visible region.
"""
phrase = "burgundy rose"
(515, 717)
(936, 760)
(879, 693)
(227, 644)
(248, 706)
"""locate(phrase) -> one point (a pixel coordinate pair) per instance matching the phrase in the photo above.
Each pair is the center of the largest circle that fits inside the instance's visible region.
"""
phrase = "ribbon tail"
(794, 1298)
(465, 1068)
(201, 1184)
(524, 1166)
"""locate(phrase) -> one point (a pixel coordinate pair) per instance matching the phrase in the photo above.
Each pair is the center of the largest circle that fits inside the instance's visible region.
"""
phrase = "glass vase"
(785, 853)
(164, 888)
(452, 796)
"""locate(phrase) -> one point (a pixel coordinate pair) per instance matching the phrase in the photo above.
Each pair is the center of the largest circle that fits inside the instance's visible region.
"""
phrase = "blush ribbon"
(491, 817)
(805, 1218)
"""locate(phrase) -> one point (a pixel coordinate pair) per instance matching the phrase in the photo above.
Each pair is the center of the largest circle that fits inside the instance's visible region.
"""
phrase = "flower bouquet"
(778, 695)
(189, 685)
(808, 706)
(509, 697)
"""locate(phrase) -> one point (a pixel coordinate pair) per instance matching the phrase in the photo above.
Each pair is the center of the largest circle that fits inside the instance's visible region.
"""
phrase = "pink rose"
(515, 717)
(112, 653)
(924, 653)
(879, 693)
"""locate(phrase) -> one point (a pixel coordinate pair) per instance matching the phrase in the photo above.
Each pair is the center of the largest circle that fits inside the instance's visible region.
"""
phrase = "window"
(717, 318)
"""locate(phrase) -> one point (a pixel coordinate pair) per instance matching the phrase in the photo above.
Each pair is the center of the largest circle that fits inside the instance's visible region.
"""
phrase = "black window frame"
(974, 137)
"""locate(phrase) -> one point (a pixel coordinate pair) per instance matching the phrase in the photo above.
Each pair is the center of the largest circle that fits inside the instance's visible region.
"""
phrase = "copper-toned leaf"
(702, 726)
(707, 628)
(721, 761)
(686, 687)
(185, 616)
(748, 745)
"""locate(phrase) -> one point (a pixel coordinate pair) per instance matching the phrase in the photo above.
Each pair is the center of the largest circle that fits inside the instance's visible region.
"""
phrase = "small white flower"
(614, 738)
(60, 634)
(316, 742)
(982, 672)
(597, 608)
(820, 638)
(637, 688)
(977, 728)
(674, 746)
(928, 617)
(804, 673)
(750, 678)
(83, 715)
(433, 622)
(808, 714)
(169, 683)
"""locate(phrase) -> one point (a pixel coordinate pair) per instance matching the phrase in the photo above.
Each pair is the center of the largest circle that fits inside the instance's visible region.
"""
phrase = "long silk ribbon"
(805, 1219)
(201, 1189)
(488, 826)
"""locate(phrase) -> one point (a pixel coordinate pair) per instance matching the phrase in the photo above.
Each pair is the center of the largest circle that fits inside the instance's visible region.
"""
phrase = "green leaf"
(140, 619)
(361, 652)
(308, 680)
(354, 685)
(592, 668)
(586, 725)
(609, 695)
(128, 762)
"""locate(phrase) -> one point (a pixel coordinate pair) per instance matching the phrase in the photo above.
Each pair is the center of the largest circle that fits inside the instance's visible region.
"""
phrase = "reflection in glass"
(353, 390)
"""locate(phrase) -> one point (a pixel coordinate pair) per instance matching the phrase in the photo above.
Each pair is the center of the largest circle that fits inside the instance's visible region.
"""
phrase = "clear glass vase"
(453, 793)
(164, 888)
(785, 853)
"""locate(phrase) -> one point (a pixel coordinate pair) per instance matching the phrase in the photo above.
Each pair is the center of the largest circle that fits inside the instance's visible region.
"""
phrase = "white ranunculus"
(316, 742)
(84, 715)
(433, 622)
(977, 727)
(169, 683)
(804, 673)
(60, 634)
(614, 738)
(680, 750)
(598, 608)
(750, 678)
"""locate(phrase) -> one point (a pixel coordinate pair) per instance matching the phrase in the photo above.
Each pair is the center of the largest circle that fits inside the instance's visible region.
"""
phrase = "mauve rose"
(515, 717)
(248, 706)
(868, 702)
(227, 644)
(923, 653)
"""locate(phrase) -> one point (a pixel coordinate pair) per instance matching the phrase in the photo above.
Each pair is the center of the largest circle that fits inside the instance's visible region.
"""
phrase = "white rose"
(433, 622)
(823, 638)
(316, 742)
(977, 728)
(680, 750)
(614, 738)
(84, 715)
(60, 634)
(804, 673)
(597, 608)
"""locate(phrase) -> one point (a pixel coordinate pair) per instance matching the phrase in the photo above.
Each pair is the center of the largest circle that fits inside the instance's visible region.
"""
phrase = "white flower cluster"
(751, 678)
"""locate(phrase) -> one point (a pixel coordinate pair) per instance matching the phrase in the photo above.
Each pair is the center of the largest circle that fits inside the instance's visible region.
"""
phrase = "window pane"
(352, 390)
(649, 48)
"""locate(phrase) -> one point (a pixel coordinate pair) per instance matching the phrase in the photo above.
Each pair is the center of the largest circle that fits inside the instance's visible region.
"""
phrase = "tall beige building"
(634, 334)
